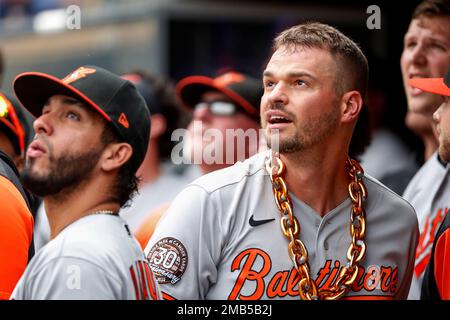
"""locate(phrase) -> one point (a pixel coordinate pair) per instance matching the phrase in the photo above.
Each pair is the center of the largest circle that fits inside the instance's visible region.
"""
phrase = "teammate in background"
(160, 182)
(16, 220)
(229, 102)
(314, 85)
(436, 280)
(12, 131)
(92, 132)
(426, 54)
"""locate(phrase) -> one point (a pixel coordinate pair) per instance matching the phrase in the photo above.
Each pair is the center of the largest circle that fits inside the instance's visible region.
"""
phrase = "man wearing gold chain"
(305, 221)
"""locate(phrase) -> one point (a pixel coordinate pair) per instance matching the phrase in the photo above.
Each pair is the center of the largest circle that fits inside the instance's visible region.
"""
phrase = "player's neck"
(431, 144)
(63, 210)
(322, 183)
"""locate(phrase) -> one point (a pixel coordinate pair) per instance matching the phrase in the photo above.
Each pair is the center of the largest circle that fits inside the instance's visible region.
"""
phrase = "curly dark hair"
(126, 184)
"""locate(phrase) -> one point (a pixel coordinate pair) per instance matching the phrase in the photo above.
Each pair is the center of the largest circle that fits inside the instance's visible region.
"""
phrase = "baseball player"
(436, 280)
(92, 132)
(227, 102)
(304, 222)
(426, 53)
(16, 221)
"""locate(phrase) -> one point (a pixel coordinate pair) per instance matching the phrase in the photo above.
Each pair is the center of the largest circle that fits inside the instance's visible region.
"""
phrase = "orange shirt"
(16, 231)
(442, 265)
(147, 227)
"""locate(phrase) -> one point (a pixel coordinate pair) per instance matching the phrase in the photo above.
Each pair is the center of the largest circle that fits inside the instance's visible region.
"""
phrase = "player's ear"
(115, 155)
(351, 104)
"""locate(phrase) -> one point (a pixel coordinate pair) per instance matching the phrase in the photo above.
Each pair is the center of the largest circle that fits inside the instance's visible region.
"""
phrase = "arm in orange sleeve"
(16, 231)
(442, 265)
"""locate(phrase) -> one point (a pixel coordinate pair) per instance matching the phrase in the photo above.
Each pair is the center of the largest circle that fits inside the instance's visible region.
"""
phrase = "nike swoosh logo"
(255, 223)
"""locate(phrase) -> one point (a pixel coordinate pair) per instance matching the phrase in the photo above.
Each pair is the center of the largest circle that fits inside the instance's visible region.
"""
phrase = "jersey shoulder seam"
(389, 191)
(247, 174)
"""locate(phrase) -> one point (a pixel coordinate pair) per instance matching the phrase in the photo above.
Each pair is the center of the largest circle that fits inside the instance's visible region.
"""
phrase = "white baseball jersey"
(429, 194)
(221, 239)
(93, 258)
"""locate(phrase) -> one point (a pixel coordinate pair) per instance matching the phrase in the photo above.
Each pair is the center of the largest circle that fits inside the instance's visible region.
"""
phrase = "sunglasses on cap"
(10, 119)
(219, 108)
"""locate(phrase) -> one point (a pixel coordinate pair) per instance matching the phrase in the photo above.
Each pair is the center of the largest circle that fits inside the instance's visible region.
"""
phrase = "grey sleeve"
(70, 279)
(412, 238)
(185, 248)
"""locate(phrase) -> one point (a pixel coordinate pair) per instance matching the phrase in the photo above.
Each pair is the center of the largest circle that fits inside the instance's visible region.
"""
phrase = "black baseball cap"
(116, 99)
(242, 89)
(439, 86)
(147, 90)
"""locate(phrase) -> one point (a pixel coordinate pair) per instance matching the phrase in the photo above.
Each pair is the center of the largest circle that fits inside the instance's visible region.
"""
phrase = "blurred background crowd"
(175, 39)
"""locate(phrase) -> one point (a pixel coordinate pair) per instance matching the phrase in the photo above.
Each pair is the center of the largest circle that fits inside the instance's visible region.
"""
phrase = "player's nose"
(202, 112)
(42, 125)
(437, 114)
(278, 94)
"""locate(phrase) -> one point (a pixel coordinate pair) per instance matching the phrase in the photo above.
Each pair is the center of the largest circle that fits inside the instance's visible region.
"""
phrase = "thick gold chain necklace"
(291, 229)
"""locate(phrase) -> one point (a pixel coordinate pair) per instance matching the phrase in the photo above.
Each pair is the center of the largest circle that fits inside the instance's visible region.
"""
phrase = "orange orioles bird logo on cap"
(81, 72)
(227, 78)
(123, 120)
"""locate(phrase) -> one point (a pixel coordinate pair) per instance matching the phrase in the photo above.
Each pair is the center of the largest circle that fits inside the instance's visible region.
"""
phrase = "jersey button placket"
(321, 246)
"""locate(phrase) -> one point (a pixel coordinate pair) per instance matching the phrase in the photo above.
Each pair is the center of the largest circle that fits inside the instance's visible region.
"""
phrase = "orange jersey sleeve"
(442, 265)
(147, 227)
(16, 231)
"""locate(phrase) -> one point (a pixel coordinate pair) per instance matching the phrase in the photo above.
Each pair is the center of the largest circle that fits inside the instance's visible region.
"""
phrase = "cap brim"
(190, 90)
(432, 85)
(33, 89)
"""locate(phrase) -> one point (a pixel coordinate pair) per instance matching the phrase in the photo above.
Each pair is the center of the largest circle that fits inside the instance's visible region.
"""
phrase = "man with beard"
(436, 280)
(277, 226)
(92, 131)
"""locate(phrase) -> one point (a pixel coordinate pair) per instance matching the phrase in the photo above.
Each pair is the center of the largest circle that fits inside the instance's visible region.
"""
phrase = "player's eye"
(268, 83)
(438, 46)
(300, 82)
(72, 115)
(410, 44)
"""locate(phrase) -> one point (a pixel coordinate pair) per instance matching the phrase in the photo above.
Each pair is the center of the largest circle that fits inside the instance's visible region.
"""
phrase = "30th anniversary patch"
(168, 260)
